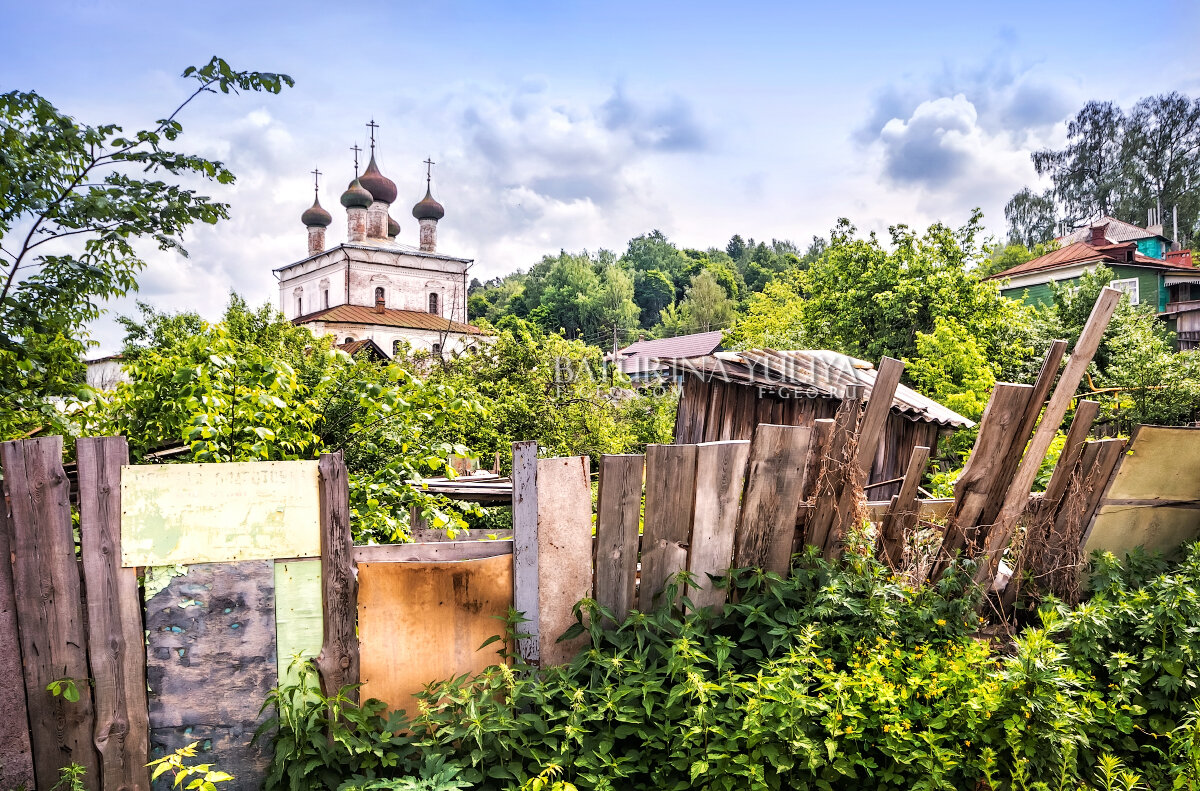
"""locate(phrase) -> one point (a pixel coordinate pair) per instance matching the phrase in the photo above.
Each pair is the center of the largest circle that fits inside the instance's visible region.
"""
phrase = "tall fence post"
(338, 662)
(16, 761)
(49, 608)
(116, 646)
(525, 547)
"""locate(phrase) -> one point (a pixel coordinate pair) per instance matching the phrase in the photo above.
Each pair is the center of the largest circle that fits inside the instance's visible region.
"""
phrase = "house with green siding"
(1167, 282)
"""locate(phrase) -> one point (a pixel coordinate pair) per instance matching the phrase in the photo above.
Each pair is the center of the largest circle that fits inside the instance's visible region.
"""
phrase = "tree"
(654, 251)
(1161, 153)
(77, 198)
(254, 387)
(1088, 173)
(1010, 255)
(952, 368)
(653, 291)
(769, 321)
(1031, 218)
(567, 300)
(705, 308)
(614, 305)
(868, 300)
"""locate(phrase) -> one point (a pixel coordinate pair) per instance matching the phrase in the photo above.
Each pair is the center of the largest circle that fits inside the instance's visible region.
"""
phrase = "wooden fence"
(210, 640)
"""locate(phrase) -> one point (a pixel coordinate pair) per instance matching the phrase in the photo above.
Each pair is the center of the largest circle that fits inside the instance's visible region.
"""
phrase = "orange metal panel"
(425, 622)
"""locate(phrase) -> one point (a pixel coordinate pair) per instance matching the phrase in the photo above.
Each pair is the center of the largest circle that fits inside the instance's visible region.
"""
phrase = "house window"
(437, 350)
(433, 303)
(326, 299)
(1129, 286)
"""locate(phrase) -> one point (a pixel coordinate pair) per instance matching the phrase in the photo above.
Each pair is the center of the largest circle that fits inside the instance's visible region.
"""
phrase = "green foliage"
(64, 688)
(201, 777)
(79, 198)
(71, 778)
(952, 369)
(705, 307)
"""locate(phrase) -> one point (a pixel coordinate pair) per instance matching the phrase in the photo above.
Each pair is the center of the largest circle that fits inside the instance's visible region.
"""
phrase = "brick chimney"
(1099, 236)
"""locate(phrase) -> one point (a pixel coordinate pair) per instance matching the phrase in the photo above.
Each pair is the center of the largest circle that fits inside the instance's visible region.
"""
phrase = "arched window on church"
(326, 299)
(395, 348)
(299, 306)
(437, 348)
(379, 298)
(349, 339)
(433, 303)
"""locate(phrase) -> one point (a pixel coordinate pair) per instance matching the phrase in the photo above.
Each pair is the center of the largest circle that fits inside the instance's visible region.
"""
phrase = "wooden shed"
(727, 394)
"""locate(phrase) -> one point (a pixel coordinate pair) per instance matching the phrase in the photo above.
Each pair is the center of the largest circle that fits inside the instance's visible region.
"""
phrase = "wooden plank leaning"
(667, 529)
(116, 645)
(870, 432)
(338, 662)
(49, 608)
(1081, 424)
(618, 517)
(901, 516)
(774, 481)
(525, 548)
(720, 474)
(834, 468)
(1017, 497)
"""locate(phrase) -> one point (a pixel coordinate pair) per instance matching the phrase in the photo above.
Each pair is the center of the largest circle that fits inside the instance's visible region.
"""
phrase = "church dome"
(315, 215)
(356, 196)
(381, 187)
(428, 208)
(393, 227)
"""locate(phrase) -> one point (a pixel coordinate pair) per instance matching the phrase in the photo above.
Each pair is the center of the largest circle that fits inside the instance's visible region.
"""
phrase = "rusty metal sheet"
(207, 513)
(210, 662)
(425, 622)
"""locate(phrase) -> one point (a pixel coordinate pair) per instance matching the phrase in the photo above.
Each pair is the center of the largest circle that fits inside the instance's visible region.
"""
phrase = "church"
(372, 287)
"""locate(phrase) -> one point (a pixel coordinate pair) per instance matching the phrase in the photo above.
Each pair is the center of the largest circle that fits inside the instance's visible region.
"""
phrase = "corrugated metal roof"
(388, 317)
(643, 356)
(1082, 253)
(813, 372)
(1117, 231)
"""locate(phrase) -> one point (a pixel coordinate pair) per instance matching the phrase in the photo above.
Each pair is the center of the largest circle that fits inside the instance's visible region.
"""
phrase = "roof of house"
(387, 317)
(371, 347)
(1117, 231)
(814, 373)
(1084, 253)
(642, 356)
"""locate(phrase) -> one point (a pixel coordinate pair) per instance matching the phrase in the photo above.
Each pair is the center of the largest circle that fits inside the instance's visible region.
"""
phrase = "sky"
(578, 125)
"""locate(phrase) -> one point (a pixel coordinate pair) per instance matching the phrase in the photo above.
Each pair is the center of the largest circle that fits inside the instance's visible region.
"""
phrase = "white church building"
(372, 286)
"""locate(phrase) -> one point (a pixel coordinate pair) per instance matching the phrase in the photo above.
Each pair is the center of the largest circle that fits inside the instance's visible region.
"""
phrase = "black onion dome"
(428, 208)
(356, 196)
(393, 227)
(316, 215)
(380, 186)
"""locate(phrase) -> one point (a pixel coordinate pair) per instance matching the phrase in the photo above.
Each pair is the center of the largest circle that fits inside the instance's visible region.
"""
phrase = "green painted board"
(209, 513)
(297, 612)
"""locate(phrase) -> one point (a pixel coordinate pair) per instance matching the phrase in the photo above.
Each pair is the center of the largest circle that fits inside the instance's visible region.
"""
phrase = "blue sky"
(579, 125)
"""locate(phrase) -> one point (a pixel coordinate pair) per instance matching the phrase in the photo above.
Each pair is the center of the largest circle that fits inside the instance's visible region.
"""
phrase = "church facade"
(373, 286)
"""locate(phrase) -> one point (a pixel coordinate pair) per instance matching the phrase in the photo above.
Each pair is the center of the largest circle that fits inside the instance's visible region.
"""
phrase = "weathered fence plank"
(835, 467)
(720, 475)
(774, 482)
(525, 548)
(618, 515)
(114, 606)
(822, 434)
(211, 661)
(564, 546)
(667, 530)
(49, 608)
(433, 551)
(901, 515)
(338, 662)
(16, 759)
(1017, 497)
